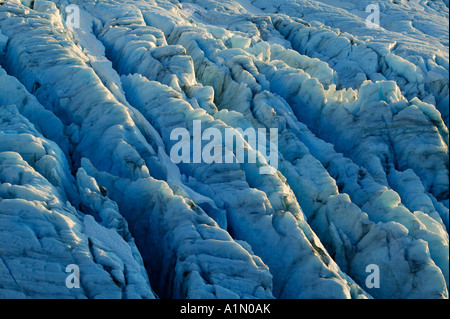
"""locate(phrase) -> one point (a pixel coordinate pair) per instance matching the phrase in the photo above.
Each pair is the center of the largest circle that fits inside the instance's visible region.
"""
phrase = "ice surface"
(42, 231)
(85, 142)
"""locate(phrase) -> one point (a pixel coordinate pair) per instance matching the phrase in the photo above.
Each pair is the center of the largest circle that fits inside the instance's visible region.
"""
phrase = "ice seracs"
(361, 176)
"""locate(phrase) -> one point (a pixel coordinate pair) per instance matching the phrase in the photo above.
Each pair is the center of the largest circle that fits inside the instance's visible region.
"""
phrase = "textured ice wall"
(362, 119)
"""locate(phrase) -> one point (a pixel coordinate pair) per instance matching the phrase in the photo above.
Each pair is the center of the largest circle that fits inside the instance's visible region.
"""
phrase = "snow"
(361, 173)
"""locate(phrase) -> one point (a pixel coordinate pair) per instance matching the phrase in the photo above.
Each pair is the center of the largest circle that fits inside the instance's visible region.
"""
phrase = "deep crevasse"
(352, 188)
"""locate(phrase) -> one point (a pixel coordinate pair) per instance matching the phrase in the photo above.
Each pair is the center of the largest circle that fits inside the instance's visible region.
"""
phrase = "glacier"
(87, 114)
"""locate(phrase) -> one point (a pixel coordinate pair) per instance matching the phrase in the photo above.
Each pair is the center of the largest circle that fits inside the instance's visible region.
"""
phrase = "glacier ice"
(43, 232)
(86, 116)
